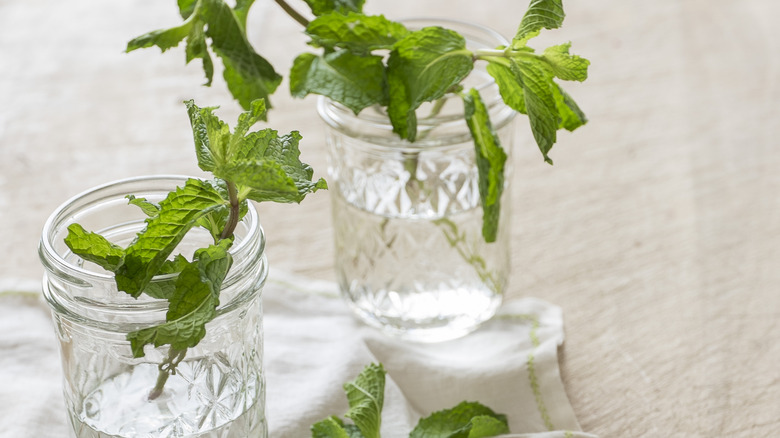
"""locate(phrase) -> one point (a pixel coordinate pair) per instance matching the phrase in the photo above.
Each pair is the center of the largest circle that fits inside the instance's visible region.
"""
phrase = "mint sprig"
(519, 71)
(262, 165)
(365, 395)
(259, 165)
(370, 60)
(248, 75)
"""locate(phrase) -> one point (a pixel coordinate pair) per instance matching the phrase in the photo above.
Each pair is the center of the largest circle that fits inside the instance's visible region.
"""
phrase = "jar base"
(417, 319)
(204, 399)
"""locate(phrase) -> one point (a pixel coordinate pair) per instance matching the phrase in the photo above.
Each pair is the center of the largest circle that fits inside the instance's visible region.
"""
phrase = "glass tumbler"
(410, 256)
(217, 390)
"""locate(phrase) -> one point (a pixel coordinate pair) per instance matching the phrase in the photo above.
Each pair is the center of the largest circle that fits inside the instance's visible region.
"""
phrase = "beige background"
(657, 230)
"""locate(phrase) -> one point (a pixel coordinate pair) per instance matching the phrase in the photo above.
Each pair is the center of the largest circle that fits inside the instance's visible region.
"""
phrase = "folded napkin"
(312, 346)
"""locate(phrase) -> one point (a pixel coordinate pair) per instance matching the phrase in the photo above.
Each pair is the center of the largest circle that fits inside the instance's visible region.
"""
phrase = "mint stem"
(437, 106)
(487, 54)
(175, 356)
(165, 370)
(162, 377)
(293, 13)
(235, 211)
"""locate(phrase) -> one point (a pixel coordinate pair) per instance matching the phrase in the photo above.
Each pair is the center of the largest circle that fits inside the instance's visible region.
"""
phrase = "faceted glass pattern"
(410, 256)
(216, 391)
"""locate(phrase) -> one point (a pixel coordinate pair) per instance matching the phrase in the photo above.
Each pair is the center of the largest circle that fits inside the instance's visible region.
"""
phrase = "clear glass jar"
(218, 389)
(410, 256)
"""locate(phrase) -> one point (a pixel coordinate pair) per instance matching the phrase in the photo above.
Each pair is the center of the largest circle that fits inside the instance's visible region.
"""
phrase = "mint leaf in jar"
(355, 81)
(423, 67)
(490, 158)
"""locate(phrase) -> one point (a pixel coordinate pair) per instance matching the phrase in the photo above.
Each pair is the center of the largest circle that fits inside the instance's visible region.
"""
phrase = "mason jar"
(216, 391)
(410, 256)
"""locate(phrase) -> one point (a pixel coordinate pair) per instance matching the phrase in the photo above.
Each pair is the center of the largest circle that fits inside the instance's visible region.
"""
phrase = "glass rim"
(50, 255)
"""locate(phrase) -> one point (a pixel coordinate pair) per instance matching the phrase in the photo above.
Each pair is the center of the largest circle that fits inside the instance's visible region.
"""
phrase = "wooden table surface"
(657, 230)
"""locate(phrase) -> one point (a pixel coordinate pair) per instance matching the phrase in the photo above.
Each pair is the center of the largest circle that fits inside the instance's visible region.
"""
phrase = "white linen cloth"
(312, 346)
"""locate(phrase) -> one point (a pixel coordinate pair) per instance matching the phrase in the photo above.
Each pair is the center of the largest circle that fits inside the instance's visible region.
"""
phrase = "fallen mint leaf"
(457, 422)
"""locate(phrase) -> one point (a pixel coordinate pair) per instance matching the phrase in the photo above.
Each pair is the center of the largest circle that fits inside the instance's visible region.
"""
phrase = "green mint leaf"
(255, 145)
(331, 427)
(455, 422)
(211, 268)
(553, 109)
(179, 212)
(353, 431)
(149, 208)
(94, 248)
(322, 7)
(265, 166)
(215, 145)
(547, 14)
(257, 112)
(422, 67)
(366, 399)
(490, 162)
(242, 10)
(538, 89)
(358, 33)
(354, 81)
(485, 426)
(510, 87)
(192, 305)
(197, 48)
(565, 65)
(163, 38)
(164, 288)
(186, 7)
(248, 75)
(571, 115)
(212, 136)
(268, 168)
(174, 266)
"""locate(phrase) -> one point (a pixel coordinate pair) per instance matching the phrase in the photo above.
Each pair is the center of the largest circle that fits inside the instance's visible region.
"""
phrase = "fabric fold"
(313, 345)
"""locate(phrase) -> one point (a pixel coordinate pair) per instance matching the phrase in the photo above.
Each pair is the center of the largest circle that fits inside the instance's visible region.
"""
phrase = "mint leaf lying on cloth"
(466, 420)
(366, 399)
